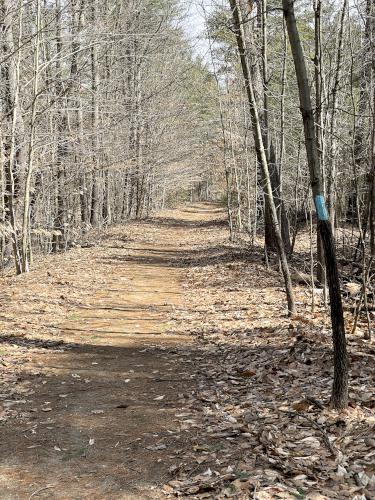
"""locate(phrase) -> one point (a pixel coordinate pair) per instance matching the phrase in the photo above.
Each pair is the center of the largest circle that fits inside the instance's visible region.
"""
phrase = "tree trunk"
(25, 242)
(261, 154)
(95, 193)
(13, 145)
(339, 398)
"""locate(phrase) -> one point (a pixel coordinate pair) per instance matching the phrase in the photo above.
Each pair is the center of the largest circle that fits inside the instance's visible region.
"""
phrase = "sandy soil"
(93, 381)
(160, 362)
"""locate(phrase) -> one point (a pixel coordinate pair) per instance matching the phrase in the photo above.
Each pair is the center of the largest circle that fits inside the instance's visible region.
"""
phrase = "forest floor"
(160, 362)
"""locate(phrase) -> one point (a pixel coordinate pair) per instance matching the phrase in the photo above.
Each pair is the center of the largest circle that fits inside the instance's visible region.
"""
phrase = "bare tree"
(260, 150)
(339, 398)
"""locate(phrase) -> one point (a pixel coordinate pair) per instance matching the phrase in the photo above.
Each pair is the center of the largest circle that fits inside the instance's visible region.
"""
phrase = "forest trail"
(160, 361)
(98, 417)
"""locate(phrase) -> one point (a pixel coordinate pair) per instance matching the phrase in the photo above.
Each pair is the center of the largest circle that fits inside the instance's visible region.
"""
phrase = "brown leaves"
(263, 392)
(302, 405)
(252, 419)
(248, 373)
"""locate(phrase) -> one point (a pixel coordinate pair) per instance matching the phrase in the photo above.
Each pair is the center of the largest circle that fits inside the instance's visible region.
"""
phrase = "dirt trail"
(160, 362)
(98, 416)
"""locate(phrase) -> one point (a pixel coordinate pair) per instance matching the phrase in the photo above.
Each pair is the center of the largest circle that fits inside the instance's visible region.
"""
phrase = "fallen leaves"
(248, 373)
(302, 405)
(260, 407)
(251, 418)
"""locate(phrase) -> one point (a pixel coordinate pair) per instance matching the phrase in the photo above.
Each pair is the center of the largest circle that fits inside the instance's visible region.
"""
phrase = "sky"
(194, 25)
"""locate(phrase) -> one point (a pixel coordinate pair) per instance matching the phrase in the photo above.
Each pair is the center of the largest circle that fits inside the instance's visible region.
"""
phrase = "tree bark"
(13, 145)
(339, 397)
(261, 153)
(95, 211)
(25, 242)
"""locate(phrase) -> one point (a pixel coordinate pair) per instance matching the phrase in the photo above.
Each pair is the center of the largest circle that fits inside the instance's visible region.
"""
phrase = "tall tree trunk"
(13, 144)
(333, 120)
(26, 243)
(260, 77)
(318, 77)
(61, 132)
(95, 211)
(339, 398)
(261, 153)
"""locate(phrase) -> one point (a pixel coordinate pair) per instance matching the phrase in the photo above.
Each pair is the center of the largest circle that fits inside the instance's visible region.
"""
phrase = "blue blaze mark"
(321, 207)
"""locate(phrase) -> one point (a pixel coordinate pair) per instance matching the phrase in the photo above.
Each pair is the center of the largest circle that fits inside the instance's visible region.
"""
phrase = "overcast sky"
(194, 25)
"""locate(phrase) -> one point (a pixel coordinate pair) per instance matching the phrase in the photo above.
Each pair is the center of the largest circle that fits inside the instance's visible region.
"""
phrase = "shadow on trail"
(204, 256)
(103, 419)
(68, 441)
(207, 258)
(91, 378)
(75, 348)
(172, 223)
(21, 341)
(183, 258)
(201, 208)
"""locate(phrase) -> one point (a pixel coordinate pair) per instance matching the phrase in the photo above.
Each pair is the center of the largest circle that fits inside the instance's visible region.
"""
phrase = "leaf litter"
(254, 421)
(260, 408)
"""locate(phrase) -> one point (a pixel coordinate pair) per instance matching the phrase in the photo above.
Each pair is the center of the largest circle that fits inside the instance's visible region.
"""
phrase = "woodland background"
(108, 114)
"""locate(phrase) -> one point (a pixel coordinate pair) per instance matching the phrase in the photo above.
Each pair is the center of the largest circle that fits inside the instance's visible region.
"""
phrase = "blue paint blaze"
(321, 208)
